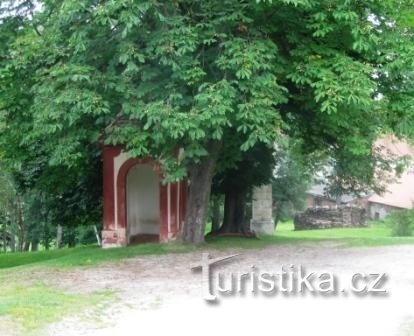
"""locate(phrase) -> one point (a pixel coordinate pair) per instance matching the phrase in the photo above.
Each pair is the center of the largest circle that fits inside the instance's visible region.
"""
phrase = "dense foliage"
(204, 76)
(401, 223)
(292, 179)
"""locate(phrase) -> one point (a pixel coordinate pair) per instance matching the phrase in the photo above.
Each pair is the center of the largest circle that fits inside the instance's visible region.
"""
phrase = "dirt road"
(161, 293)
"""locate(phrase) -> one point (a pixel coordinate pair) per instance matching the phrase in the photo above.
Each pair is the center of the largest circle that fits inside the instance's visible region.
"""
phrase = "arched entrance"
(138, 206)
(142, 204)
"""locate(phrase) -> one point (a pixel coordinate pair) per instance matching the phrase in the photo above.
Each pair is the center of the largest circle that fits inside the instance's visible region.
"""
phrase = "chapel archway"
(142, 204)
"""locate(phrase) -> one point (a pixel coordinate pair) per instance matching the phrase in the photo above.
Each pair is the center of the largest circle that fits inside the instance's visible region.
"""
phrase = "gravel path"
(162, 293)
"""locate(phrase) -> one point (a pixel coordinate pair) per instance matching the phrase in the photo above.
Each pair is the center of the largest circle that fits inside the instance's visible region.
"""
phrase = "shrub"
(401, 223)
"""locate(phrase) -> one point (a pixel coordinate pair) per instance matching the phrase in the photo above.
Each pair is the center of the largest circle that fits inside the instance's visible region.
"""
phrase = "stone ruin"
(325, 218)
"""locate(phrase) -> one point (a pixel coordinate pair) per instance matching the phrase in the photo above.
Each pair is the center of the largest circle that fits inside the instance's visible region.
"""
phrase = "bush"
(401, 223)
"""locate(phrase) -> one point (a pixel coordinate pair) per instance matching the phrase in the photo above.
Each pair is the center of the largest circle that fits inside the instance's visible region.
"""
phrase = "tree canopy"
(157, 76)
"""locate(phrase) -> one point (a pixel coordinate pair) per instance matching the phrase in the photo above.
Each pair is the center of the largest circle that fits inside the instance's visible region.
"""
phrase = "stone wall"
(325, 218)
(314, 201)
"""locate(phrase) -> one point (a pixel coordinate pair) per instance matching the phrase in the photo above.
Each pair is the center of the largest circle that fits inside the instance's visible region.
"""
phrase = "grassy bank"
(86, 255)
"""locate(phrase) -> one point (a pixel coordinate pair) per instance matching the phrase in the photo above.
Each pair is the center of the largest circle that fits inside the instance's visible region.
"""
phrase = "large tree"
(159, 76)
(254, 168)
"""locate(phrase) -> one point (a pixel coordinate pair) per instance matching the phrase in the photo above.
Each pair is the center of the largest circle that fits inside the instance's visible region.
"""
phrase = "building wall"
(379, 211)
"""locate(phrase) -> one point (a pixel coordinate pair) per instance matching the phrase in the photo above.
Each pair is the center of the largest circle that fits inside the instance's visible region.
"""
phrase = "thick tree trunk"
(47, 243)
(277, 219)
(234, 220)
(26, 246)
(35, 245)
(4, 237)
(59, 233)
(20, 224)
(71, 237)
(200, 176)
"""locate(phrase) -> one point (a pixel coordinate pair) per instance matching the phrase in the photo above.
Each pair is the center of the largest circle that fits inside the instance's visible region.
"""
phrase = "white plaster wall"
(382, 210)
(143, 214)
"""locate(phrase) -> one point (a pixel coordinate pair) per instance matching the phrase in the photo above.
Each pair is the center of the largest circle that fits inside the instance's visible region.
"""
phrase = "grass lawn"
(86, 255)
(375, 235)
(26, 308)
